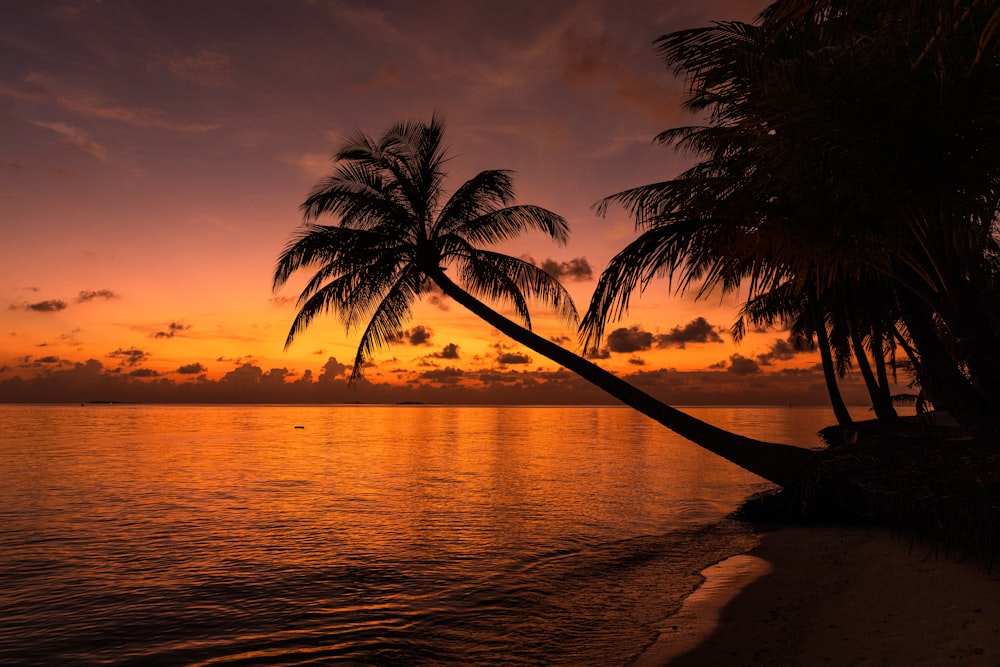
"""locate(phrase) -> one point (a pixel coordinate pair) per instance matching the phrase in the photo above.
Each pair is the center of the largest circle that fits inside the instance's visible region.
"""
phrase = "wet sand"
(836, 596)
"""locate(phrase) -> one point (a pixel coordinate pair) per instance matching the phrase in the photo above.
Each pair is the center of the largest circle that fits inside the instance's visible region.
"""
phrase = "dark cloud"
(740, 365)
(560, 340)
(575, 269)
(436, 297)
(244, 375)
(248, 358)
(332, 370)
(50, 306)
(636, 361)
(697, 330)
(450, 351)
(511, 358)
(439, 301)
(172, 330)
(781, 350)
(603, 353)
(48, 360)
(632, 339)
(130, 357)
(419, 335)
(191, 369)
(143, 373)
(445, 375)
(90, 295)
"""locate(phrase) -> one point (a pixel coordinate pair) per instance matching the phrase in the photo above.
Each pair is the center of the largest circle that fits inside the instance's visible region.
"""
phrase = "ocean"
(359, 535)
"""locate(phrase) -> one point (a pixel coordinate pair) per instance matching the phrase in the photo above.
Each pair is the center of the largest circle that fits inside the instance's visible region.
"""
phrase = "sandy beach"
(836, 596)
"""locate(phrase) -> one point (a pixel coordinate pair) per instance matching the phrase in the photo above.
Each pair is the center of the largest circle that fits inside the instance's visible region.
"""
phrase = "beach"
(836, 596)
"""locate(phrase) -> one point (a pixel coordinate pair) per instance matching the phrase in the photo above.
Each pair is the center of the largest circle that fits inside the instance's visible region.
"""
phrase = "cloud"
(172, 330)
(130, 357)
(439, 301)
(781, 350)
(48, 360)
(91, 104)
(697, 330)
(191, 369)
(419, 335)
(332, 370)
(50, 306)
(740, 365)
(632, 339)
(144, 373)
(313, 165)
(575, 269)
(281, 301)
(445, 375)
(76, 139)
(90, 295)
(636, 361)
(603, 353)
(449, 351)
(511, 358)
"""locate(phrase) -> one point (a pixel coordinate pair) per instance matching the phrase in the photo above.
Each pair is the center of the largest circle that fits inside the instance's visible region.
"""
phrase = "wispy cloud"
(87, 103)
(48, 306)
(75, 138)
(130, 357)
(172, 330)
(90, 295)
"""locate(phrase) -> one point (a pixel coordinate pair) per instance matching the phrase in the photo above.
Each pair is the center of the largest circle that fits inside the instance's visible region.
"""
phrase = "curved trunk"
(774, 462)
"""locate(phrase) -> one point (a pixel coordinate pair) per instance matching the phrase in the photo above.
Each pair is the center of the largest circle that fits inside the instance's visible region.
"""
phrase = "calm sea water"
(373, 535)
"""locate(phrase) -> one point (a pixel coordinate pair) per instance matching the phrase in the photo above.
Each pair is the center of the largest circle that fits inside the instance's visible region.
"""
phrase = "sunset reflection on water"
(392, 534)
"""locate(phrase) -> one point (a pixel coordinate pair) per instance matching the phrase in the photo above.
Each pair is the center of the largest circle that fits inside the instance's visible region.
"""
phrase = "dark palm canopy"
(397, 230)
(849, 170)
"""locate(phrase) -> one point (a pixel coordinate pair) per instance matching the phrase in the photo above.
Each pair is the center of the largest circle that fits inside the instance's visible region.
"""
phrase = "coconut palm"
(397, 235)
(835, 150)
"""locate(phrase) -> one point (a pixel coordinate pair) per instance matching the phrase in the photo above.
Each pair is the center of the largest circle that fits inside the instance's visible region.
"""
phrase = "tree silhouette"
(396, 233)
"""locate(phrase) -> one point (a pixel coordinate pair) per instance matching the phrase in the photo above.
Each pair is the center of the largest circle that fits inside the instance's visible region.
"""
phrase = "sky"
(154, 156)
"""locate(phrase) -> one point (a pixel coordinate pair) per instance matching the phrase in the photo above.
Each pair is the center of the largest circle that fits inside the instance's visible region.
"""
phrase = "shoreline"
(835, 595)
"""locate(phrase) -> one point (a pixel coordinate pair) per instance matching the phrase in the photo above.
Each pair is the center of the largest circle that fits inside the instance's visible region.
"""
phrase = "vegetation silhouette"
(397, 235)
(848, 181)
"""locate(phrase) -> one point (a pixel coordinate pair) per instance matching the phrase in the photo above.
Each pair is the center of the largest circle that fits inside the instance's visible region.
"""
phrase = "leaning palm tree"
(397, 235)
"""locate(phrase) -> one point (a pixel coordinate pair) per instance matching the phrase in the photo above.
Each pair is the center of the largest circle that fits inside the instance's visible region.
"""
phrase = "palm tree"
(397, 234)
(845, 139)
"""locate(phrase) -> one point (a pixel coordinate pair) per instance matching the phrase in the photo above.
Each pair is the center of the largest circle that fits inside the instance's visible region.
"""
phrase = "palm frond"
(483, 193)
(510, 222)
(326, 245)
(505, 279)
(387, 320)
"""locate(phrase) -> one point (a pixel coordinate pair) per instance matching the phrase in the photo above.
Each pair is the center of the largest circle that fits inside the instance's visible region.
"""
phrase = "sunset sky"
(155, 154)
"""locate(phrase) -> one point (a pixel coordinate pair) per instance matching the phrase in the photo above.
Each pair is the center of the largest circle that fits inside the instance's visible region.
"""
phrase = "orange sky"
(155, 155)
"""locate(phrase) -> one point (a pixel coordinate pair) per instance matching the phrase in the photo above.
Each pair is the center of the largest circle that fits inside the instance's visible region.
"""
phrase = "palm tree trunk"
(940, 377)
(881, 402)
(778, 463)
(829, 371)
